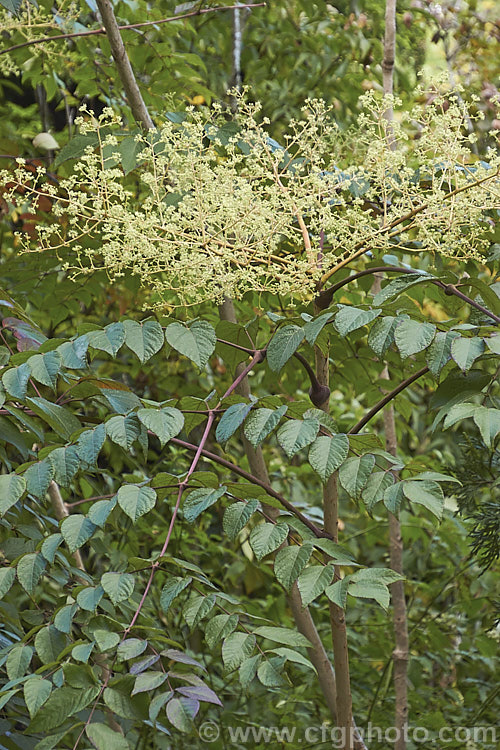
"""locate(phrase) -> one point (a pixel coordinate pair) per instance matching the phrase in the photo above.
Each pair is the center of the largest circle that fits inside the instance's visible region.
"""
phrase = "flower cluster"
(204, 206)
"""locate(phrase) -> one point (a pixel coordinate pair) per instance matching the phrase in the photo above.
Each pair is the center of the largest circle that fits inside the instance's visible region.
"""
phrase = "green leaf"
(64, 618)
(426, 493)
(105, 738)
(36, 692)
(493, 343)
(49, 642)
(123, 430)
(393, 497)
(236, 516)
(166, 423)
(283, 635)
(180, 712)
(136, 501)
(232, 418)
(12, 488)
(65, 462)
(465, 351)
(488, 421)
(109, 339)
(130, 648)
(7, 578)
(290, 562)
(63, 703)
(45, 368)
(197, 608)
(99, 511)
(106, 640)
(383, 576)
(199, 500)
(171, 590)
(457, 412)
(376, 591)
(236, 648)
(38, 477)
(267, 537)
(326, 454)
(76, 530)
(439, 352)
(148, 681)
(50, 546)
(313, 581)
(399, 285)
(297, 434)
(197, 343)
(313, 328)
(18, 661)
(29, 570)
(375, 487)
(269, 674)
(15, 381)
(354, 473)
(61, 420)
(349, 318)
(338, 554)
(337, 592)
(143, 339)
(76, 147)
(283, 345)
(118, 586)
(381, 334)
(261, 423)
(220, 627)
(89, 445)
(248, 670)
(412, 337)
(82, 652)
(89, 598)
(11, 5)
(73, 353)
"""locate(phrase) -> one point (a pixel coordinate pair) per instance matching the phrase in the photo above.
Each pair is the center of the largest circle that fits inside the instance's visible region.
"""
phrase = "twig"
(102, 30)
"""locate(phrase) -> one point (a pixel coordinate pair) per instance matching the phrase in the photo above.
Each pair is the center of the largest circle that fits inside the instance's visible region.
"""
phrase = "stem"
(255, 479)
(127, 77)
(93, 32)
(388, 397)
(337, 614)
(302, 616)
(62, 512)
(323, 300)
(400, 654)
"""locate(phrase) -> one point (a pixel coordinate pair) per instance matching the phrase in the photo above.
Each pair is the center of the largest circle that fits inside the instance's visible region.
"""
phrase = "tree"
(190, 429)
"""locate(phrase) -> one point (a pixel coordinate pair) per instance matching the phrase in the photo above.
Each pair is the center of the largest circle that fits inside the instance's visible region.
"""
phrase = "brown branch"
(384, 401)
(102, 30)
(127, 77)
(319, 533)
(323, 300)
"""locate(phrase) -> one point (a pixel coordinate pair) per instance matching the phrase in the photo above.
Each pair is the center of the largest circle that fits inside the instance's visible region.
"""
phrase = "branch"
(134, 96)
(384, 401)
(318, 533)
(325, 297)
(102, 30)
